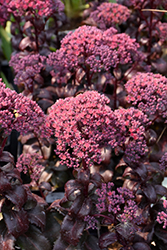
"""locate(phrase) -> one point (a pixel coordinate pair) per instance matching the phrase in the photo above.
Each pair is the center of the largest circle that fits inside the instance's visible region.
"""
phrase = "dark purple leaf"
(72, 189)
(92, 243)
(34, 240)
(76, 232)
(7, 242)
(141, 170)
(117, 73)
(7, 167)
(16, 39)
(72, 229)
(161, 234)
(96, 179)
(45, 103)
(77, 204)
(27, 42)
(60, 244)
(31, 202)
(151, 137)
(161, 190)
(126, 230)
(17, 195)
(7, 157)
(83, 176)
(149, 192)
(160, 65)
(16, 221)
(141, 246)
(4, 183)
(52, 226)
(86, 207)
(45, 186)
(40, 200)
(37, 216)
(107, 239)
(14, 176)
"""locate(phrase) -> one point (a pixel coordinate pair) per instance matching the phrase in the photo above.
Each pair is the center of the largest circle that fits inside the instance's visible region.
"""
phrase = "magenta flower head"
(27, 68)
(162, 216)
(31, 163)
(148, 92)
(109, 14)
(4, 15)
(82, 125)
(20, 113)
(92, 50)
(133, 123)
(37, 8)
(161, 31)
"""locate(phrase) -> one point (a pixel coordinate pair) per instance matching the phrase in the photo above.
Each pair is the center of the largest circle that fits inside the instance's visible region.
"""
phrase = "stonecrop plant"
(83, 148)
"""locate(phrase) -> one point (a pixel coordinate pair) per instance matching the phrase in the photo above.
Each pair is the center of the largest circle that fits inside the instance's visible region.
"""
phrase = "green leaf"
(6, 40)
(73, 8)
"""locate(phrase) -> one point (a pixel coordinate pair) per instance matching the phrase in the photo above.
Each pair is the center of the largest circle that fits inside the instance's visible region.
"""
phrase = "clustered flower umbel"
(161, 31)
(20, 113)
(82, 125)
(27, 68)
(133, 122)
(89, 48)
(110, 14)
(3, 11)
(162, 216)
(31, 164)
(121, 203)
(38, 8)
(163, 162)
(148, 92)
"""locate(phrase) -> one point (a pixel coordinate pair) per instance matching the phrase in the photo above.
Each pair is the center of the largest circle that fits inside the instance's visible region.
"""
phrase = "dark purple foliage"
(91, 118)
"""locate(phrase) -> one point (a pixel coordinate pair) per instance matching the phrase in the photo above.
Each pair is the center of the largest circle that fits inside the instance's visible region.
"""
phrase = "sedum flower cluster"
(3, 11)
(82, 125)
(121, 203)
(38, 8)
(148, 92)
(110, 14)
(20, 113)
(162, 216)
(27, 68)
(31, 164)
(92, 50)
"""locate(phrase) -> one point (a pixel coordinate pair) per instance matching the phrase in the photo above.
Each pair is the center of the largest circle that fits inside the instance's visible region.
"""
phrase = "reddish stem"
(3, 145)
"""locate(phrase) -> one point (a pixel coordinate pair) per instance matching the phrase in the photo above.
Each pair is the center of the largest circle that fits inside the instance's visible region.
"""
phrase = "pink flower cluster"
(133, 123)
(91, 49)
(148, 92)
(162, 216)
(3, 11)
(109, 14)
(162, 31)
(32, 164)
(163, 162)
(82, 125)
(121, 203)
(27, 68)
(20, 113)
(38, 8)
